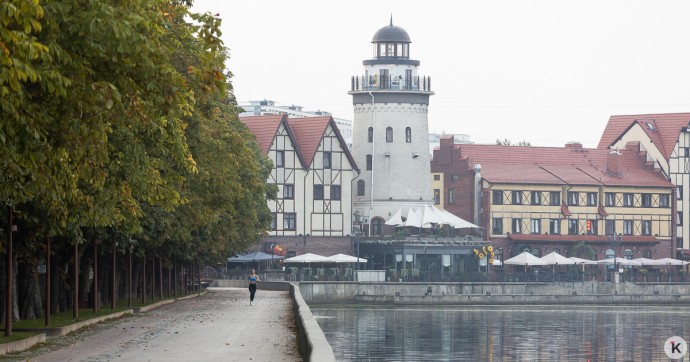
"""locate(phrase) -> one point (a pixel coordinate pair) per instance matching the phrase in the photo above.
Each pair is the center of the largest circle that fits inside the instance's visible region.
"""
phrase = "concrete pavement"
(220, 325)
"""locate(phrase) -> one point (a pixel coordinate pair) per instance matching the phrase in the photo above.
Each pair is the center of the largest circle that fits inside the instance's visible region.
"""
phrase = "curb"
(22, 345)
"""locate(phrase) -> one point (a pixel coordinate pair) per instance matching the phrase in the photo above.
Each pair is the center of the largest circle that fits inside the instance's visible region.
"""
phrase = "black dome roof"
(391, 34)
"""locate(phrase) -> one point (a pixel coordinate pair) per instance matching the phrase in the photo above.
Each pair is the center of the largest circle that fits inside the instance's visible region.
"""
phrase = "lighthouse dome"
(391, 34)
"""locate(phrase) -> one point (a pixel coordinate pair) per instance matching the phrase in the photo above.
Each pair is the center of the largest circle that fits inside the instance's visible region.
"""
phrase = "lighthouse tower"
(390, 132)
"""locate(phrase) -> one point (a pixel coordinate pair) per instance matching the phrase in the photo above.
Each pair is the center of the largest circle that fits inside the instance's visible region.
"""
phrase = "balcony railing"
(392, 82)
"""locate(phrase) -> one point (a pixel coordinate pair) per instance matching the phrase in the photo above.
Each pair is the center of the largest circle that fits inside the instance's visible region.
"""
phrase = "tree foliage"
(507, 142)
(118, 116)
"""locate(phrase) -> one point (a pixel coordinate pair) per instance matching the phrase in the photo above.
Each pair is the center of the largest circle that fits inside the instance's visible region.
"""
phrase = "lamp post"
(614, 241)
(272, 253)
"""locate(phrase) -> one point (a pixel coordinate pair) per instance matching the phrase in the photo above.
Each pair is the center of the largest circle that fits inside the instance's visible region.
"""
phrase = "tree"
(507, 142)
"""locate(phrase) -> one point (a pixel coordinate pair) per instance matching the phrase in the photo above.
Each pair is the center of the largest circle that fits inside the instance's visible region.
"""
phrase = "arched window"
(408, 135)
(360, 188)
(369, 162)
(370, 136)
(389, 134)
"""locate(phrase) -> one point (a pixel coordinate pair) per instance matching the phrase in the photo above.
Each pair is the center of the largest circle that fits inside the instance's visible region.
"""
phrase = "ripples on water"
(500, 333)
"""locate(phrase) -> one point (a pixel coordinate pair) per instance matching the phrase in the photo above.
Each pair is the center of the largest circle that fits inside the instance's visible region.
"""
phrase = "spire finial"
(391, 19)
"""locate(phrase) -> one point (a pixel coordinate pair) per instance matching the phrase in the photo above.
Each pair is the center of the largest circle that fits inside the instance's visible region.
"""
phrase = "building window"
(663, 200)
(679, 218)
(451, 196)
(554, 198)
(497, 226)
(535, 226)
(326, 160)
(274, 221)
(555, 226)
(370, 134)
(572, 227)
(591, 199)
(437, 177)
(516, 198)
(437, 196)
(679, 244)
(360, 188)
(627, 227)
(592, 227)
(610, 227)
(377, 227)
(628, 199)
(497, 197)
(679, 192)
(280, 158)
(646, 227)
(610, 199)
(454, 177)
(289, 191)
(686, 151)
(646, 200)
(573, 198)
(318, 192)
(535, 198)
(408, 135)
(335, 192)
(289, 221)
(389, 134)
(369, 162)
(517, 226)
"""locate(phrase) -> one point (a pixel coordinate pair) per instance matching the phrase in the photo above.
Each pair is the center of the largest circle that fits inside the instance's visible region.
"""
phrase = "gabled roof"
(663, 129)
(557, 165)
(264, 129)
(306, 134)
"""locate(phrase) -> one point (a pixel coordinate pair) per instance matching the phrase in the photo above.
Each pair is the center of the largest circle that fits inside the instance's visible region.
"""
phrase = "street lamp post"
(614, 241)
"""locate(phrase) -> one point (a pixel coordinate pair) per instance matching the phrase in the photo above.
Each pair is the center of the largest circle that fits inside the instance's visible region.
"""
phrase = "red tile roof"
(557, 165)
(306, 134)
(663, 133)
(264, 129)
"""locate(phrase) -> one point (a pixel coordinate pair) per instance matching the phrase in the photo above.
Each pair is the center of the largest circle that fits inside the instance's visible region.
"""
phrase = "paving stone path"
(220, 325)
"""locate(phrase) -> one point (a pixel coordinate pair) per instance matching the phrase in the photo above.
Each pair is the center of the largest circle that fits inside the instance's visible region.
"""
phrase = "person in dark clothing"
(252, 280)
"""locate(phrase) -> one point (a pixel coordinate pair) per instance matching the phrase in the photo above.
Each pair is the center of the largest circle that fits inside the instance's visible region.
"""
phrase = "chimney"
(574, 145)
(613, 163)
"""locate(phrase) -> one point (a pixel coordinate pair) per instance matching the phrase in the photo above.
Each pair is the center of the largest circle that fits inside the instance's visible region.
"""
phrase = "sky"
(546, 72)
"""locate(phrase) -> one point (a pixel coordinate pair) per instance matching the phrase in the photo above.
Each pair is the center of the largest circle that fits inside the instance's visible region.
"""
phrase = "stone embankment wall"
(313, 343)
(495, 293)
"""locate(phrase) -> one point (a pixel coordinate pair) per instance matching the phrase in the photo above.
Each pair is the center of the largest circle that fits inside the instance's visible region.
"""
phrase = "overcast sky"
(547, 72)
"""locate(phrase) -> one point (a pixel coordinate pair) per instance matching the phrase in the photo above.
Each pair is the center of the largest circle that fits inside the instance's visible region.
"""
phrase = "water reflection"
(536, 333)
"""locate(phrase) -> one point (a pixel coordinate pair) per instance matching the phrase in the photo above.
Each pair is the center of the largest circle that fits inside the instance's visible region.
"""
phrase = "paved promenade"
(218, 326)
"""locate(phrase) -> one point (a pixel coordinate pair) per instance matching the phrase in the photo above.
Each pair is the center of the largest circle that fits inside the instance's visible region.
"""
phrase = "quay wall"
(495, 293)
(313, 343)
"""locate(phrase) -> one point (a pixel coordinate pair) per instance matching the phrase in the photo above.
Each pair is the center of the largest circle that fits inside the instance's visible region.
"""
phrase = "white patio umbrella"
(582, 261)
(307, 258)
(671, 261)
(526, 259)
(344, 258)
(645, 261)
(619, 261)
(457, 222)
(557, 259)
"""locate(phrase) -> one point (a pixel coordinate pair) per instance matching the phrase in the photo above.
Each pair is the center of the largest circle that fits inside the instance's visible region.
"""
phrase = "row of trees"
(119, 134)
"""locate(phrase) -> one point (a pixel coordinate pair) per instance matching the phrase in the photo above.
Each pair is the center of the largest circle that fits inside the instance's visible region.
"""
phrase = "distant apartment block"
(269, 107)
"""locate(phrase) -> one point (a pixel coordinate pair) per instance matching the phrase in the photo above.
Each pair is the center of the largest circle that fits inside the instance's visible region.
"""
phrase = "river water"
(500, 333)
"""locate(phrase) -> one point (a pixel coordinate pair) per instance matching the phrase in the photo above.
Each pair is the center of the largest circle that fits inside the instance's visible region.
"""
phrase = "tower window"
(389, 134)
(369, 162)
(370, 135)
(360, 188)
(408, 135)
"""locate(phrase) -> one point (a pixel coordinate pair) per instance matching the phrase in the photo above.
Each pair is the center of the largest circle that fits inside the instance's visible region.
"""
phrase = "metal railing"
(392, 82)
